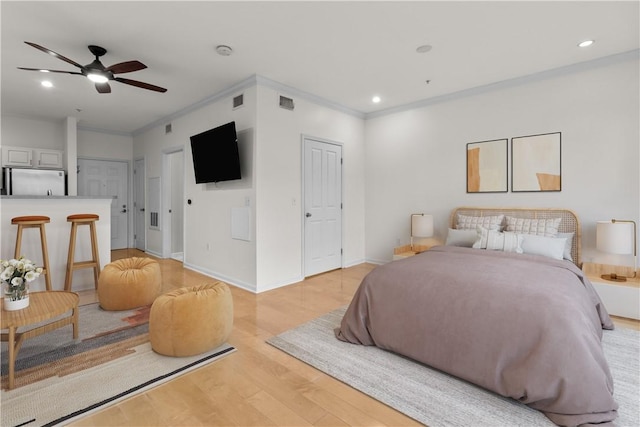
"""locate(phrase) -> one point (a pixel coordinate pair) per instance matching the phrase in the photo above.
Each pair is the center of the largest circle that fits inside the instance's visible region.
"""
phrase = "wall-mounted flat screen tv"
(215, 154)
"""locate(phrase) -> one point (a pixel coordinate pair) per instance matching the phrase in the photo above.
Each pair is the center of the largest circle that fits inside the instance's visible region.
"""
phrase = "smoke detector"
(224, 50)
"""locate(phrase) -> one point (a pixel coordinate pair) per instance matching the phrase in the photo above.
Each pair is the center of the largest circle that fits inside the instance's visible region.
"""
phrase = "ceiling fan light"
(97, 78)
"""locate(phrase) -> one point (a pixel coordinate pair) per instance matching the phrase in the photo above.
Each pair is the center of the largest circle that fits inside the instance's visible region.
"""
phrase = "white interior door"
(108, 178)
(139, 233)
(323, 206)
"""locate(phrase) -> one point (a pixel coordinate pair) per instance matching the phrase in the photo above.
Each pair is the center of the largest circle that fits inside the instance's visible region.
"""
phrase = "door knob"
(308, 214)
(123, 211)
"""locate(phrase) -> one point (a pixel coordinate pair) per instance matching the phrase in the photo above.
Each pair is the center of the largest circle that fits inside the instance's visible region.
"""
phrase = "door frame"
(136, 176)
(166, 200)
(303, 139)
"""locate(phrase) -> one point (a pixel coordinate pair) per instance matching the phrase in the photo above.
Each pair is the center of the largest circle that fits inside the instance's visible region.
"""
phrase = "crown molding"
(258, 80)
(238, 87)
(517, 81)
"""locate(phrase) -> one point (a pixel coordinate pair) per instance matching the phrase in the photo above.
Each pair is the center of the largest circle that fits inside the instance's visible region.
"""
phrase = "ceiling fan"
(98, 73)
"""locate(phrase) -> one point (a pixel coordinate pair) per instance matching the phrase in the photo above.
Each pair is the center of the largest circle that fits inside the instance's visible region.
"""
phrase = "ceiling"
(344, 52)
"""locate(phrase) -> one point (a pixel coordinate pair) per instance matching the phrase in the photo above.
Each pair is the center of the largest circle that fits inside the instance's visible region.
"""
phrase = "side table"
(620, 298)
(406, 251)
(43, 306)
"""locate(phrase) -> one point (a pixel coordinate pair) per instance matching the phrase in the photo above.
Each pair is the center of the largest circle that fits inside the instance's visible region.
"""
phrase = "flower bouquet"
(15, 275)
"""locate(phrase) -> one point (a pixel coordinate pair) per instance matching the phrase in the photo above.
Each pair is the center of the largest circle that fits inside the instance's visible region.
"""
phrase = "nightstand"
(405, 251)
(620, 298)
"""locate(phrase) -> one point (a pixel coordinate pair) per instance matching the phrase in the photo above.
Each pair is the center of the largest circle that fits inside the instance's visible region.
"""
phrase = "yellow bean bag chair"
(191, 320)
(129, 283)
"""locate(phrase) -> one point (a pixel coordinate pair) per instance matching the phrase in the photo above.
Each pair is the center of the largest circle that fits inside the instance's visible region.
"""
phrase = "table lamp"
(617, 236)
(421, 226)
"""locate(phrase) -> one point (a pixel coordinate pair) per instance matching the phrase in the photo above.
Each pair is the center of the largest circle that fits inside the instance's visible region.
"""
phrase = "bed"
(524, 325)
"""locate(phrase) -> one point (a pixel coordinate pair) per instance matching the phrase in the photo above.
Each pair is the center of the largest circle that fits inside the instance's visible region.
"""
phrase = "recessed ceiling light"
(424, 48)
(585, 43)
(376, 99)
(46, 83)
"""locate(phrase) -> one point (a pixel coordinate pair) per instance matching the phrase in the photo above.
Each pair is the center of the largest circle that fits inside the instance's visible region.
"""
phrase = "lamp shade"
(421, 225)
(615, 237)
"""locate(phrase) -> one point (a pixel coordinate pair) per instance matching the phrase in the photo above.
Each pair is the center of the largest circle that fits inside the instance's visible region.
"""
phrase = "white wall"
(209, 247)
(24, 132)
(273, 191)
(102, 145)
(279, 183)
(416, 160)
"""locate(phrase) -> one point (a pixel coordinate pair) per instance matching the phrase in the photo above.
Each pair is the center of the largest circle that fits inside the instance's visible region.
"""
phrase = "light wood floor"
(258, 385)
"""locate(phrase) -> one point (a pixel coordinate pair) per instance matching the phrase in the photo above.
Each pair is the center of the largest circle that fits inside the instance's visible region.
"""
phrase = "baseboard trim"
(215, 275)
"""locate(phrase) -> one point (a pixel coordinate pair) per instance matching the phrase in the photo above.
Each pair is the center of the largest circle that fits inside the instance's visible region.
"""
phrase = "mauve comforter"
(523, 326)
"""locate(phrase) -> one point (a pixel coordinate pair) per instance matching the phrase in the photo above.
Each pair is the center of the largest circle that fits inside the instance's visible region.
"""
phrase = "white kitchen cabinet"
(16, 156)
(22, 157)
(49, 159)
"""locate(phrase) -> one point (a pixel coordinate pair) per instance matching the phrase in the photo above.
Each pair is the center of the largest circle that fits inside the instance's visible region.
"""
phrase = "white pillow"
(482, 234)
(498, 241)
(539, 227)
(506, 242)
(552, 247)
(466, 222)
(568, 245)
(464, 238)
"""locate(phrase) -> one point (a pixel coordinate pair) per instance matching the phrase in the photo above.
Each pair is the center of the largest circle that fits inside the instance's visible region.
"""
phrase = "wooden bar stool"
(94, 262)
(34, 221)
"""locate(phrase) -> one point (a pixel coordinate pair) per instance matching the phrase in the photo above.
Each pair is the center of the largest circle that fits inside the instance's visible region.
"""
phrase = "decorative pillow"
(552, 247)
(539, 227)
(498, 241)
(482, 235)
(506, 242)
(466, 222)
(464, 238)
(568, 245)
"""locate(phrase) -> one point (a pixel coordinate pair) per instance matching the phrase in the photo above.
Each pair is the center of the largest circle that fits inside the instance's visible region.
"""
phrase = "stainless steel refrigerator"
(34, 182)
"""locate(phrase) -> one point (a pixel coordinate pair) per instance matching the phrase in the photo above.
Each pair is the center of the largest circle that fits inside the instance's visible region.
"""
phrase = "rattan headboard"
(569, 224)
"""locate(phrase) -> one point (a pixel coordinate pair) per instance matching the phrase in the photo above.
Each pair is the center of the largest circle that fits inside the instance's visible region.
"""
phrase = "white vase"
(16, 305)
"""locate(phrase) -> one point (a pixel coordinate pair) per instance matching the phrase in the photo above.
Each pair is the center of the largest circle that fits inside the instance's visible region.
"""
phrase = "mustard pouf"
(129, 283)
(191, 320)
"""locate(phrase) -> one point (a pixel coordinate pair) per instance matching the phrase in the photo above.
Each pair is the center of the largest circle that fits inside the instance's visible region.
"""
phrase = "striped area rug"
(59, 379)
(60, 399)
(438, 399)
(57, 351)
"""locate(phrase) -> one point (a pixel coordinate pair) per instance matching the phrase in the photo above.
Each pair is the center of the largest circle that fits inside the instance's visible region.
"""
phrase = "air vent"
(286, 103)
(238, 101)
(154, 220)
(167, 129)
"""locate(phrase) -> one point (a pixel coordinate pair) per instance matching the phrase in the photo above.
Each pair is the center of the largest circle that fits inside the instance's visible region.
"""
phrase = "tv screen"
(215, 154)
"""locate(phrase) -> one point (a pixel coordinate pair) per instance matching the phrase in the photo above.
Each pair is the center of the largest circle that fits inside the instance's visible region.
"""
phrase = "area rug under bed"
(438, 399)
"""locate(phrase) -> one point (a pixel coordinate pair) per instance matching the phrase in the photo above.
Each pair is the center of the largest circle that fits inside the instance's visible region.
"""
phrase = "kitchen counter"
(58, 233)
(53, 197)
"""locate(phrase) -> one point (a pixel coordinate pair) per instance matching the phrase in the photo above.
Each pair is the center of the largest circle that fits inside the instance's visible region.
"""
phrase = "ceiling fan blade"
(142, 85)
(57, 55)
(126, 67)
(103, 88)
(50, 71)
